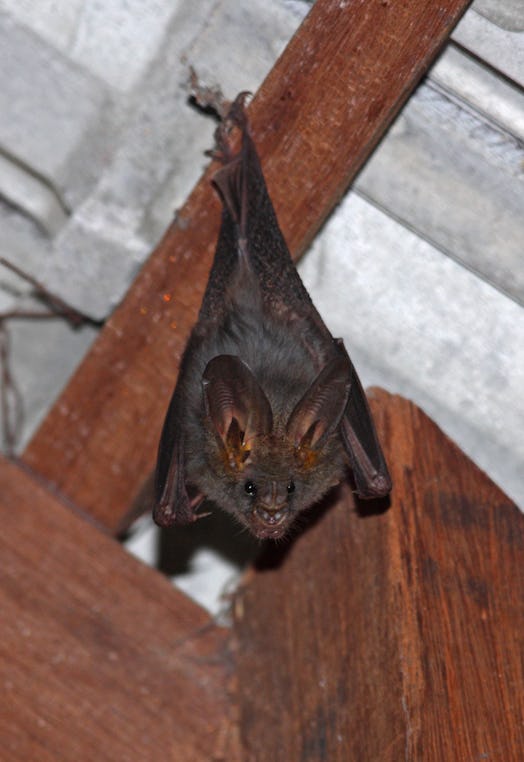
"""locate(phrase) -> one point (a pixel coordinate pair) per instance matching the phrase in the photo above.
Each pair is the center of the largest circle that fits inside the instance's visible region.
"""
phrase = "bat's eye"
(250, 488)
(290, 488)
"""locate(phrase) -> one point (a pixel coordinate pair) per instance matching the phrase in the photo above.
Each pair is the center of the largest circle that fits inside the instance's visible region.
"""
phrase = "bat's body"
(268, 409)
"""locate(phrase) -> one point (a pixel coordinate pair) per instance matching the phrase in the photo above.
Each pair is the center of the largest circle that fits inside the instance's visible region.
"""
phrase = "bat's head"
(266, 474)
(262, 497)
(276, 485)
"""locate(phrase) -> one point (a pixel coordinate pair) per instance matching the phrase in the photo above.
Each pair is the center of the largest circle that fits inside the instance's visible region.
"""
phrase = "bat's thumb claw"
(237, 112)
(202, 515)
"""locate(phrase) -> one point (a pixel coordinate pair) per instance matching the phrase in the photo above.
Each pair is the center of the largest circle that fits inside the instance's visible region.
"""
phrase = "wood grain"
(395, 635)
(100, 657)
(321, 110)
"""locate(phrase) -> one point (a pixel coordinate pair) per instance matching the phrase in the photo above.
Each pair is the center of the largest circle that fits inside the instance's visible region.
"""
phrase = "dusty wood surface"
(100, 658)
(395, 636)
(316, 118)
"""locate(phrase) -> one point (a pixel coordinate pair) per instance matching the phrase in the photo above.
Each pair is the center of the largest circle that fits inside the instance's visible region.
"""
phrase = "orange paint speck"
(172, 325)
(143, 310)
(166, 297)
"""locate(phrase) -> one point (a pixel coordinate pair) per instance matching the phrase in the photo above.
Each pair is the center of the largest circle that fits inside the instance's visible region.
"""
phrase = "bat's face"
(265, 505)
(274, 484)
(259, 485)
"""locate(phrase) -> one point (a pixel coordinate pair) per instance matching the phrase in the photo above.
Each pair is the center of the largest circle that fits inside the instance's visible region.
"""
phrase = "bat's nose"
(271, 514)
(275, 495)
(272, 505)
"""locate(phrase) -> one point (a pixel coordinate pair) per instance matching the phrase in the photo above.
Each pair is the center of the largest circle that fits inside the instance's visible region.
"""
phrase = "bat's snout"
(272, 515)
(270, 520)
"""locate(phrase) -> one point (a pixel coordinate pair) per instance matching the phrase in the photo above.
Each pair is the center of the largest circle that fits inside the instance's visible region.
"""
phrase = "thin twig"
(58, 307)
(11, 403)
(32, 315)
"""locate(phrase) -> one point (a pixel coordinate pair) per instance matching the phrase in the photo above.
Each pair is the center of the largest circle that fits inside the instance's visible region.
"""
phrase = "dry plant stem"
(11, 405)
(57, 306)
(32, 315)
(10, 397)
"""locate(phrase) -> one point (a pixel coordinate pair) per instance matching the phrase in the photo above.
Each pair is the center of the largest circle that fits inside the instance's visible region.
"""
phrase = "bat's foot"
(234, 117)
(166, 513)
(194, 504)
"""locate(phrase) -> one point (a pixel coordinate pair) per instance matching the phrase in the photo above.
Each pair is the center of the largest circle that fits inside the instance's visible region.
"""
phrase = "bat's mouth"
(270, 522)
(269, 533)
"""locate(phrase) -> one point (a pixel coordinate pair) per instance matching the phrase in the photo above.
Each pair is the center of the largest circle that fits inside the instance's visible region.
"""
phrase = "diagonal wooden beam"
(322, 109)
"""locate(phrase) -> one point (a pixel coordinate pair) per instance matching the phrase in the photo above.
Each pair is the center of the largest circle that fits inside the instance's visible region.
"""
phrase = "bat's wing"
(370, 471)
(250, 237)
(172, 504)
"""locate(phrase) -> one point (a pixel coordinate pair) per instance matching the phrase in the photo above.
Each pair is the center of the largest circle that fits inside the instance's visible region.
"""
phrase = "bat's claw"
(202, 515)
(195, 502)
(235, 117)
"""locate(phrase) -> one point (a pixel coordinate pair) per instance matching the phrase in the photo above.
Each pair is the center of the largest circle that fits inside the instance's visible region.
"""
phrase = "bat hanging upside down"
(268, 409)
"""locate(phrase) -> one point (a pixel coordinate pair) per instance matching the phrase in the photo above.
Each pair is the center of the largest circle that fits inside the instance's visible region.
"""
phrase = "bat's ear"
(236, 405)
(320, 410)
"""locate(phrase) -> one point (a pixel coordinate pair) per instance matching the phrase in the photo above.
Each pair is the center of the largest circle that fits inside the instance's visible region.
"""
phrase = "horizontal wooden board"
(100, 657)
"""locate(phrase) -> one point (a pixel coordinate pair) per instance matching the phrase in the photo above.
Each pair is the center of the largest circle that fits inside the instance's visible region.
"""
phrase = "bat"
(268, 410)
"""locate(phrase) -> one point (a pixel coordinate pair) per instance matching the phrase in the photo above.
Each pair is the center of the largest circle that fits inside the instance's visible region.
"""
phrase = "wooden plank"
(100, 657)
(318, 115)
(393, 635)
